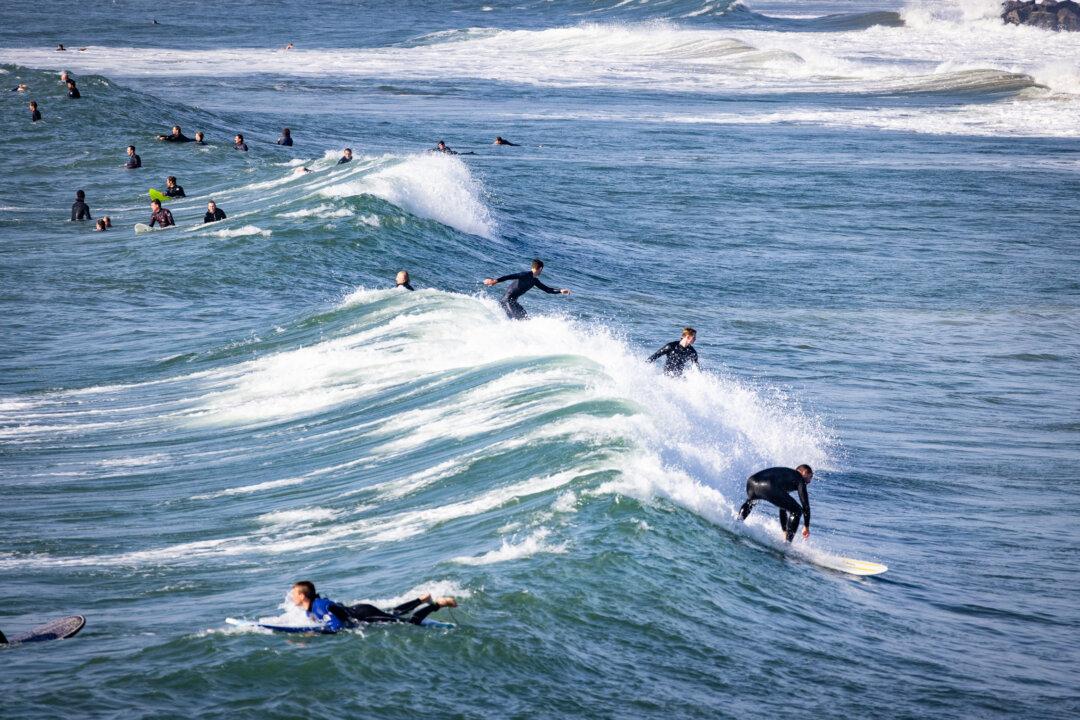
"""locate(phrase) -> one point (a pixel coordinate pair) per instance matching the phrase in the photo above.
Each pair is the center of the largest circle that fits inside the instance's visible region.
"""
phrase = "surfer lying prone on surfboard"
(773, 485)
(335, 616)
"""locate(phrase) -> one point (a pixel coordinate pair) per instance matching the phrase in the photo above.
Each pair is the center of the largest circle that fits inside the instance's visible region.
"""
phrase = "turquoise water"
(868, 211)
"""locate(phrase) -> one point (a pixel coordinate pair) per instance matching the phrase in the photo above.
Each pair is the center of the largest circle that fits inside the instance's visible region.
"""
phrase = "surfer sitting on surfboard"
(335, 616)
(774, 484)
(161, 216)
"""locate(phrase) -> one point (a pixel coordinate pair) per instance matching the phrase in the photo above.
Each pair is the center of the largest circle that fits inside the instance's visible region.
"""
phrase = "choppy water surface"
(867, 210)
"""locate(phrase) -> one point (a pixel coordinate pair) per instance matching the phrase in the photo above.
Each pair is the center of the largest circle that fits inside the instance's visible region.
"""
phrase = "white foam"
(296, 517)
(248, 489)
(433, 186)
(320, 211)
(243, 231)
(508, 551)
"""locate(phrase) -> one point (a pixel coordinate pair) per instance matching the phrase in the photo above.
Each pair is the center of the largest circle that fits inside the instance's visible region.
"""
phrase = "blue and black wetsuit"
(774, 485)
(523, 283)
(676, 357)
(335, 616)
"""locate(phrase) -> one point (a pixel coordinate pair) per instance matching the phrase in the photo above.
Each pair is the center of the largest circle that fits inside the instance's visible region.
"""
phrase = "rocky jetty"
(1049, 15)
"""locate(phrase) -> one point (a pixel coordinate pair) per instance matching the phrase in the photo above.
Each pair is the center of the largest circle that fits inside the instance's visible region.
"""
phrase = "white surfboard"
(142, 227)
(850, 566)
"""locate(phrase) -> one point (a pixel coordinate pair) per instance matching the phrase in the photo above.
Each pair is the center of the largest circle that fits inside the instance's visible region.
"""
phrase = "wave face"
(867, 211)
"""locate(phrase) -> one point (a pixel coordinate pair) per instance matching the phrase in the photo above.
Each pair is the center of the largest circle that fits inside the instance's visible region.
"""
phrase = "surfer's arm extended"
(662, 351)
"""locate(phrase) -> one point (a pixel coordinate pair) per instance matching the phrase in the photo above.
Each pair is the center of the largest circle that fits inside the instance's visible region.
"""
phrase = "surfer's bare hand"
(489, 281)
(806, 532)
(565, 291)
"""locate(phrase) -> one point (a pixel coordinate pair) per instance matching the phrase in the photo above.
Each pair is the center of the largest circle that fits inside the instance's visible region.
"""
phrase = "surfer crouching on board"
(522, 283)
(774, 484)
(335, 616)
(162, 216)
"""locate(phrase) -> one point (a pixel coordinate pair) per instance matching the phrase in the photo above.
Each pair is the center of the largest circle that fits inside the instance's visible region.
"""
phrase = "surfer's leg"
(408, 607)
(513, 309)
(433, 605)
(783, 519)
(786, 502)
(365, 613)
(752, 495)
(3, 640)
(746, 508)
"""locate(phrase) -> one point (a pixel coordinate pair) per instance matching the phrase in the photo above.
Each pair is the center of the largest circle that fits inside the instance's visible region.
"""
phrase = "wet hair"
(176, 128)
(347, 150)
(130, 147)
(101, 224)
(80, 194)
(805, 467)
(537, 264)
(198, 133)
(286, 131)
(211, 200)
(240, 137)
(441, 142)
(155, 201)
(307, 589)
(170, 179)
(689, 331)
(33, 104)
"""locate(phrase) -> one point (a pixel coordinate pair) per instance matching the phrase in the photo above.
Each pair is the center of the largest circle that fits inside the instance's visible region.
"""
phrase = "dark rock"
(1049, 15)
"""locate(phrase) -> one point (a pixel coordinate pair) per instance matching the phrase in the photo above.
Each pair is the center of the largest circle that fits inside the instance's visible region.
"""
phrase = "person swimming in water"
(73, 92)
(60, 47)
(286, 137)
(21, 87)
(108, 221)
(172, 189)
(774, 485)
(35, 114)
(134, 161)
(499, 141)
(521, 283)
(678, 353)
(335, 616)
(346, 156)
(213, 213)
(162, 216)
(176, 135)
(402, 280)
(442, 147)
(79, 209)
(199, 138)
(239, 144)
(101, 225)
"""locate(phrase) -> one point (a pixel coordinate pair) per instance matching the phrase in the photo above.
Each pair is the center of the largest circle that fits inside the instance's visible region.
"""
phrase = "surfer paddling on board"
(176, 135)
(335, 616)
(678, 353)
(522, 283)
(774, 484)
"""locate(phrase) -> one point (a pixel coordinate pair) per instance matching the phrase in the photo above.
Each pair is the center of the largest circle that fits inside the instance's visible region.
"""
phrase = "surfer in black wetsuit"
(172, 189)
(522, 283)
(499, 141)
(73, 92)
(79, 209)
(441, 147)
(177, 136)
(774, 485)
(402, 280)
(336, 616)
(286, 137)
(346, 156)
(678, 353)
(199, 138)
(35, 114)
(134, 161)
(162, 216)
(239, 144)
(213, 213)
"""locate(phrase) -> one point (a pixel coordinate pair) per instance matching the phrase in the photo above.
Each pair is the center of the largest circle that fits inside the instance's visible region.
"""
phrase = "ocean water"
(867, 209)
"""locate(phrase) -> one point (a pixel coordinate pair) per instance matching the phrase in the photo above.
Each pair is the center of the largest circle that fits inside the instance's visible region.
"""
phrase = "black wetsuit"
(344, 160)
(73, 93)
(363, 613)
(210, 217)
(175, 191)
(35, 116)
(133, 162)
(523, 283)
(181, 138)
(80, 211)
(406, 285)
(241, 146)
(774, 485)
(286, 141)
(443, 150)
(676, 358)
(162, 217)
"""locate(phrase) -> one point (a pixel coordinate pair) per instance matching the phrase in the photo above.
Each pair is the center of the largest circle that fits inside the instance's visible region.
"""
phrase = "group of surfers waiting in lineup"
(773, 485)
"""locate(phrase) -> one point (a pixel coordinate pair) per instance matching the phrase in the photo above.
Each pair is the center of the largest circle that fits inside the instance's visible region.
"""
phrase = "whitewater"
(867, 210)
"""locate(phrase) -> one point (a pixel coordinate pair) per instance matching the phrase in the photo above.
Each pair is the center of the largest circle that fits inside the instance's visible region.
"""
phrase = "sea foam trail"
(691, 440)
